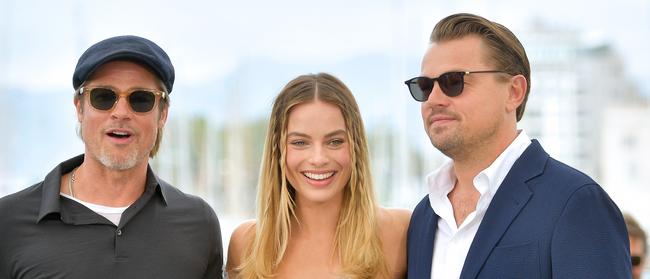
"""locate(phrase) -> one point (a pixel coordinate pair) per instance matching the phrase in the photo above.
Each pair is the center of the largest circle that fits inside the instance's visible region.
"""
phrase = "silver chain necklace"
(71, 181)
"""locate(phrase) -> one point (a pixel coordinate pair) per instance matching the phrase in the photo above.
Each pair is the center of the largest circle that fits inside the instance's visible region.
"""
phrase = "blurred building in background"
(625, 161)
(573, 82)
(218, 163)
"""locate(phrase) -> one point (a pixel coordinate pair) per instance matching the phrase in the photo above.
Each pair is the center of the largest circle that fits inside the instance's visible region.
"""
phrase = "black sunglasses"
(636, 260)
(451, 83)
(140, 100)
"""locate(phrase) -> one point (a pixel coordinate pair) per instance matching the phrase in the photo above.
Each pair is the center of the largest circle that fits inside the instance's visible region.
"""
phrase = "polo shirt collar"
(51, 187)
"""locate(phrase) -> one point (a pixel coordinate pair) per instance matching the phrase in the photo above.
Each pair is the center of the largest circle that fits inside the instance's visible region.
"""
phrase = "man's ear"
(163, 117)
(79, 108)
(517, 92)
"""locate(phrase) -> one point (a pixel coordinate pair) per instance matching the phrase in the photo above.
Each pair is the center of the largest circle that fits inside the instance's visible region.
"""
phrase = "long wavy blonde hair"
(356, 239)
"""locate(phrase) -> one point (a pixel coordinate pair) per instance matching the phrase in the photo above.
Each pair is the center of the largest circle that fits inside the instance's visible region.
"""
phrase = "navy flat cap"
(131, 48)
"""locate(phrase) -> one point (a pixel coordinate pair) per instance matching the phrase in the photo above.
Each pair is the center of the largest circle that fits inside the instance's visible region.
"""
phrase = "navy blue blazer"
(546, 220)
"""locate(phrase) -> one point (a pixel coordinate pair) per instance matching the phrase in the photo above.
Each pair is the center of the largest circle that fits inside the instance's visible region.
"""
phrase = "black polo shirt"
(163, 234)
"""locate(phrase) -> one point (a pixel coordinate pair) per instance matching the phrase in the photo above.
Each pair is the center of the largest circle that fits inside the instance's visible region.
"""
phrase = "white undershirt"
(113, 214)
(452, 242)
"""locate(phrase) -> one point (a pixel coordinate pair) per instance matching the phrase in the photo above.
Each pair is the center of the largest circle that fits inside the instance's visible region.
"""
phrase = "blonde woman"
(316, 212)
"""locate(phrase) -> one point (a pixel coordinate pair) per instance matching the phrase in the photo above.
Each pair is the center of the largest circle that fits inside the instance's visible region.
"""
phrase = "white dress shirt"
(452, 242)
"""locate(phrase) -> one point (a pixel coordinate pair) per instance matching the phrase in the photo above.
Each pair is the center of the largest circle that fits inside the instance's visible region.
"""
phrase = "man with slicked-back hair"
(501, 207)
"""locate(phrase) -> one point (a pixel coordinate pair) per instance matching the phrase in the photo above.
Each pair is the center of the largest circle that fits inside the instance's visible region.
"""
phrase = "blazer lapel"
(422, 244)
(512, 196)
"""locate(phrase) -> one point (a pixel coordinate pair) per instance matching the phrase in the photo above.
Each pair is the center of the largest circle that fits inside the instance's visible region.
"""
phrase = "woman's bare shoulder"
(239, 239)
(244, 228)
(393, 224)
(393, 228)
(394, 217)
(242, 235)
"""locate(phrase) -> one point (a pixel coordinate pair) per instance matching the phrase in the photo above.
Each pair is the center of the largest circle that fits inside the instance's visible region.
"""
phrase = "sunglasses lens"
(102, 98)
(452, 83)
(425, 85)
(636, 260)
(420, 88)
(142, 101)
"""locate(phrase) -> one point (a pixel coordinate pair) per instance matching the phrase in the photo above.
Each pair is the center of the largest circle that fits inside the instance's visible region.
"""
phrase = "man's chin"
(119, 163)
(447, 146)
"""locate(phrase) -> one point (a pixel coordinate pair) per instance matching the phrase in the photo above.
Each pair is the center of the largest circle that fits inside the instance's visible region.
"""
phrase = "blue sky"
(41, 40)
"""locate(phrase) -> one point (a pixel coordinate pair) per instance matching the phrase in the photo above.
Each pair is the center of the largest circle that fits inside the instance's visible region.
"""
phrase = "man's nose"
(121, 108)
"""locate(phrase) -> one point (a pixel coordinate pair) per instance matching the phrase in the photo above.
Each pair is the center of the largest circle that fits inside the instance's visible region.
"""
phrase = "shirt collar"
(497, 171)
(442, 180)
(51, 187)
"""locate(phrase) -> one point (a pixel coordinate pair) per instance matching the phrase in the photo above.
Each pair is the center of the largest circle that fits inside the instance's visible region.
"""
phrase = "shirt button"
(119, 232)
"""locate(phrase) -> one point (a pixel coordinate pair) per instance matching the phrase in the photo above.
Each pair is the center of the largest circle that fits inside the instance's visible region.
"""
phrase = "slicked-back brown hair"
(504, 49)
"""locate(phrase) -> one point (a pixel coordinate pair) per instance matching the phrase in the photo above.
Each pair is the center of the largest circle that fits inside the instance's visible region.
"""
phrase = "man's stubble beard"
(112, 162)
(462, 145)
(448, 144)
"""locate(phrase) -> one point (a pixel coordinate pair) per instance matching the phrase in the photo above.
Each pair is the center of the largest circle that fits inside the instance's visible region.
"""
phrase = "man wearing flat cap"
(105, 214)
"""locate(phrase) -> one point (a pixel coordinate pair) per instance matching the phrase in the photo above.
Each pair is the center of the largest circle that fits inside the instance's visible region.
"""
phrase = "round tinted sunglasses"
(451, 84)
(140, 100)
